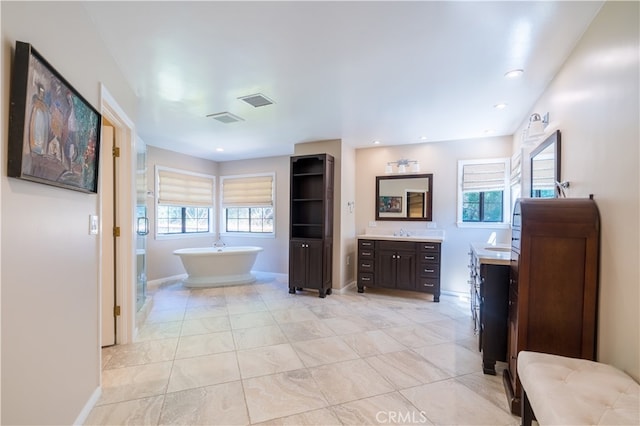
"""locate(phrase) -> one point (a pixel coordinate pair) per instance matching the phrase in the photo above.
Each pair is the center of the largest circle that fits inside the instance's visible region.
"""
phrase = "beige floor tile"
(348, 324)
(406, 369)
(247, 338)
(305, 330)
(390, 408)
(244, 308)
(450, 402)
(452, 358)
(414, 336)
(162, 330)
(205, 325)
(207, 311)
(122, 384)
(144, 411)
(142, 353)
(206, 299)
(203, 371)
(283, 316)
(371, 343)
(268, 360)
(281, 395)
(165, 315)
(252, 319)
(323, 351)
(221, 404)
(321, 417)
(349, 380)
(205, 344)
(451, 330)
(489, 387)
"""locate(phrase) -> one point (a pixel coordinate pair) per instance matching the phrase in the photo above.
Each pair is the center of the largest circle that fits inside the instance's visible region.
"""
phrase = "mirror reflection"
(404, 197)
(545, 167)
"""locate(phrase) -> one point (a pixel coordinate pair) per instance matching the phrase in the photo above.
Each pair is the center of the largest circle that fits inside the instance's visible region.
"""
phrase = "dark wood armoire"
(553, 288)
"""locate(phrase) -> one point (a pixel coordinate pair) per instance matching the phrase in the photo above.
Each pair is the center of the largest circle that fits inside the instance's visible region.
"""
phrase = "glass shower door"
(142, 223)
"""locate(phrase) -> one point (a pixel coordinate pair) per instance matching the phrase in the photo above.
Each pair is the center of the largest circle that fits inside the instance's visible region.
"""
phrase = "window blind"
(252, 191)
(183, 189)
(483, 177)
(543, 173)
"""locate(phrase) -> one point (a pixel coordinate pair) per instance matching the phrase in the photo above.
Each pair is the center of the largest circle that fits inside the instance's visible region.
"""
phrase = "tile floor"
(255, 354)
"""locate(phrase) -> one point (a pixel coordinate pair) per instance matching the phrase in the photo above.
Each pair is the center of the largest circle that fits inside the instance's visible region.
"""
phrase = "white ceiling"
(357, 71)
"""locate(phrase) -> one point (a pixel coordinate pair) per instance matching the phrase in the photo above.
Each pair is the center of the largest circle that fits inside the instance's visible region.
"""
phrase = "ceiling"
(395, 72)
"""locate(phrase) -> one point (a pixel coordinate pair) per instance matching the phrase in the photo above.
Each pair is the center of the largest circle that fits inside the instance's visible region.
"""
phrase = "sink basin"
(502, 249)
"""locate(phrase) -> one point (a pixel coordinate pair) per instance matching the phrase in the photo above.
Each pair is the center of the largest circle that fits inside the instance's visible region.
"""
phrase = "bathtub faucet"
(219, 243)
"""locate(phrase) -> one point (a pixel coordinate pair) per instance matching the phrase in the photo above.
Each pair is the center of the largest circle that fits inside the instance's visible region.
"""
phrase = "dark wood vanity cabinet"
(395, 265)
(311, 223)
(553, 282)
(403, 265)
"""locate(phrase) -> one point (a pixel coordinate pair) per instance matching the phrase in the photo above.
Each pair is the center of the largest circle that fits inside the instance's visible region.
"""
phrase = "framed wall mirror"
(404, 197)
(545, 167)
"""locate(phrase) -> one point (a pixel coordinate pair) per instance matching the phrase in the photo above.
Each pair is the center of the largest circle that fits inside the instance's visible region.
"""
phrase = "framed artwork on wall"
(54, 133)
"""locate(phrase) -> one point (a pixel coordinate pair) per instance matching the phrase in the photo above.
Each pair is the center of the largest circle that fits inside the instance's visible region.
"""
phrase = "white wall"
(594, 101)
(50, 313)
(441, 159)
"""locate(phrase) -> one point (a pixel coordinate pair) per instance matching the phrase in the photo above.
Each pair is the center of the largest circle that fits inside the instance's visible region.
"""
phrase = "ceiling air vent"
(225, 117)
(256, 100)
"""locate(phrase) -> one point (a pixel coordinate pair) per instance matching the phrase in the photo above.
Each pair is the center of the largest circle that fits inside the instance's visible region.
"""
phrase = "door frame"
(124, 218)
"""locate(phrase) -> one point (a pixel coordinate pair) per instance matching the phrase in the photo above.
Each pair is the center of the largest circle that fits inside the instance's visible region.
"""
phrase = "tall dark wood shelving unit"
(553, 288)
(311, 223)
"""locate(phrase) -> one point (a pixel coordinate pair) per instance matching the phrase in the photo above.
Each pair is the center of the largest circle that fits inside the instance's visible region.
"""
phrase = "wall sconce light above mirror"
(402, 165)
(404, 197)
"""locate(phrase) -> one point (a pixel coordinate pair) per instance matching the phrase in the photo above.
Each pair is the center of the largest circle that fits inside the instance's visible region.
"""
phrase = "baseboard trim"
(91, 402)
(346, 288)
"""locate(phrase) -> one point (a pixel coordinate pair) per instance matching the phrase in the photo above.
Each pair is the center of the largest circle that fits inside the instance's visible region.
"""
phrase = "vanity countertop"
(430, 236)
(498, 254)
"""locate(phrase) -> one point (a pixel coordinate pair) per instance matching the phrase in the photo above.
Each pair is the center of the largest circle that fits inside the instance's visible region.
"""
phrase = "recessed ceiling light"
(423, 138)
(501, 105)
(514, 73)
(376, 142)
(220, 149)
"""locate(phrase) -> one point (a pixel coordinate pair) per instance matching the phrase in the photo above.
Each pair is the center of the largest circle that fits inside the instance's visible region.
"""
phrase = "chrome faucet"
(401, 233)
(219, 243)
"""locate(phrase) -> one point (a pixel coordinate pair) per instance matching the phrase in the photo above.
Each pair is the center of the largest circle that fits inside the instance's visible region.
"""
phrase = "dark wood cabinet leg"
(360, 289)
(436, 298)
(489, 367)
(329, 291)
(321, 293)
(299, 288)
(292, 290)
(526, 410)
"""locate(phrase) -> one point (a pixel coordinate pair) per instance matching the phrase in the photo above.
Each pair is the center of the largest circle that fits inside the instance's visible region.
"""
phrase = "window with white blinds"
(247, 191)
(184, 203)
(181, 188)
(484, 192)
(248, 204)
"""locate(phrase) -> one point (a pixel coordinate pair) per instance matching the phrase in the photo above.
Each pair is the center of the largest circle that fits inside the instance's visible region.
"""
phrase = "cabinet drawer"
(365, 244)
(395, 245)
(428, 270)
(427, 257)
(428, 285)
(365, 279)
(430, 247)
(366, 265)
(365, 254)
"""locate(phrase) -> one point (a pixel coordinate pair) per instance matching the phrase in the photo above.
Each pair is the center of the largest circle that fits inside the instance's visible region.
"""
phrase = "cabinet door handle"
(365, 279)
(366, 253)
(366, 244)
(366, 265)
(428, 285)
(429, 257)
(432, 247)
(428, 270)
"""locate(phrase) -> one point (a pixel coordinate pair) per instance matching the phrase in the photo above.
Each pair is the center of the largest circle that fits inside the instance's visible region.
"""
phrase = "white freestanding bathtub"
(218, 266)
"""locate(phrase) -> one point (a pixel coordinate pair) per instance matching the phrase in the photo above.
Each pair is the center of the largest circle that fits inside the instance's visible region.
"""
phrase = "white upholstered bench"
(568, 391)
